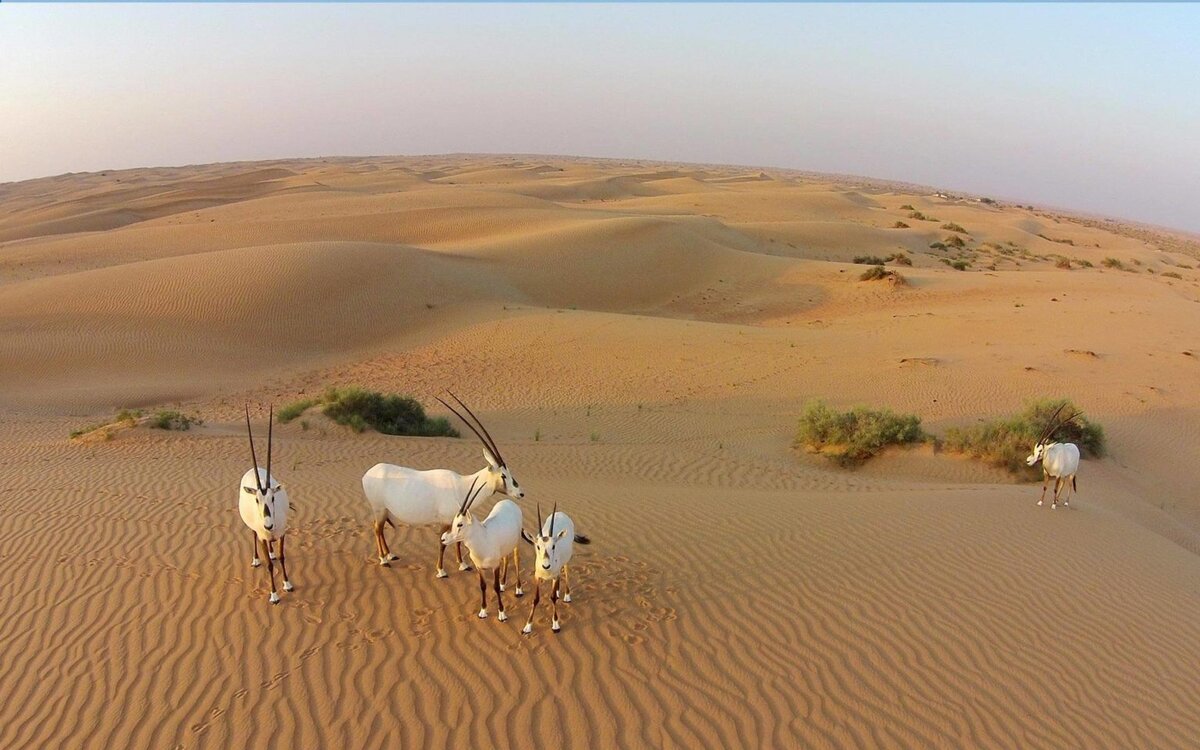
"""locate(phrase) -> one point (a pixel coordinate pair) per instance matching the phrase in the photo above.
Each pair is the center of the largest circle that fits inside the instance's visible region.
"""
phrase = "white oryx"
(1059, 460)
(398, 494)
(553, 550)
(263, 505)
(489, 543)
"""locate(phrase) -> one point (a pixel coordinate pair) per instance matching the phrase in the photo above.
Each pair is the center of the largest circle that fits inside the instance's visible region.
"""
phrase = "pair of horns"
(1053, 425)
(481, 432)
(470, 498)
(253, 457)
(553, 513)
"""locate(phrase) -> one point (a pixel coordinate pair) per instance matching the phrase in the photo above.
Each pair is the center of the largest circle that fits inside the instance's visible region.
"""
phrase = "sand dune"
(640, 338)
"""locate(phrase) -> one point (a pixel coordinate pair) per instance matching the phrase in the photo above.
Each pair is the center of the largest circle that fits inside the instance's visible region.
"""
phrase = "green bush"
(172, 420)
(952, 227)
(907, 207)
(900, 259)
(1006, 442)
(391, 414)
(870, 260)
(1113, 263)
(958, 264)
(954, 241)
(295, 409)
(873, 273)
(852, 437)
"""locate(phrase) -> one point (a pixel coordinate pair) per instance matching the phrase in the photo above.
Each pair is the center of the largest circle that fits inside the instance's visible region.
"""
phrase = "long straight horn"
(471, 499)
(253, 457)
(462, 508)
(1050, 424)
(465, 421)
(539, 517)
(270, 441)
(553, 513)
(491, 441)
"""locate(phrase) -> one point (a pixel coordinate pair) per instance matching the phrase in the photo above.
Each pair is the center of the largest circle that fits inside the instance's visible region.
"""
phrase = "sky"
(1088, 107)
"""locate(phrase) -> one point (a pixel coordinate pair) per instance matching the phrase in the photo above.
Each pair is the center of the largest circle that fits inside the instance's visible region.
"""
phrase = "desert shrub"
(295, 409)
(873, 273)
(1064, 263)
(954, 241)
(128, 416)
(952, 227)
(1007, 441)
(1082, 263)
(1113, 263)
(937, 246)
(900, 259)
(907, 207)
(958, 264)
(899, 225)
(165, 419)
(870, 260)
(988, 201)
(391, 414)
(851, 437)
(1172, 275)
(1135, 261)
(917, 215)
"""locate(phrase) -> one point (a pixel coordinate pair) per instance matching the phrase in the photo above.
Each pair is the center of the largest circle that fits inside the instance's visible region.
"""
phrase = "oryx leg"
(554, 624)
(381, 543)
(499, 596)
(287, 583)
(458, 552)
(566, 584)
(503, 571)
(271, 569)
(271, 550)
(441, 571)
(1069, 486)
(1045, 481)
(1057, 489)
(482, 596)
(387, 550)
(254, 561)
(537, 597)
(517, 568)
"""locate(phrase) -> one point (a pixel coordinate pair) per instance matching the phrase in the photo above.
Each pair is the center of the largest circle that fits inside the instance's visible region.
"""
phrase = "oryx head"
(545, 545)
(264, 488)
(502, 476)
(1044, 440)
(463, 518)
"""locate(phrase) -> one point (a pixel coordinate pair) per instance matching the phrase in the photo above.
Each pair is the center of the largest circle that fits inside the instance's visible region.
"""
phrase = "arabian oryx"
(398, 494)
(489, 543)
(553, 550)
(263, 505)
(1059, 460)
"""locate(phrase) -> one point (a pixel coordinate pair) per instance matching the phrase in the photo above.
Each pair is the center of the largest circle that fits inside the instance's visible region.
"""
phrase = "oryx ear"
(560, 534)
(491, 461)
(526, 536)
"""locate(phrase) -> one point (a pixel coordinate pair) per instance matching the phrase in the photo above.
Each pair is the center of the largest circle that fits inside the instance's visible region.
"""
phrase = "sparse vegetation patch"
(360, 409)
(1006, 442)
(852, 437)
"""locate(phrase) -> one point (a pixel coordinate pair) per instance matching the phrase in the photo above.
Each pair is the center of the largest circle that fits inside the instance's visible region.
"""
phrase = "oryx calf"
(553, 550)
(263, 505)
(398, 494)
(1059, 460)
(489, 543)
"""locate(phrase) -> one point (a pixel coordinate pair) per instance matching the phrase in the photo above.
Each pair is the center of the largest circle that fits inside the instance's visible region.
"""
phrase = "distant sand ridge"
(640, 338)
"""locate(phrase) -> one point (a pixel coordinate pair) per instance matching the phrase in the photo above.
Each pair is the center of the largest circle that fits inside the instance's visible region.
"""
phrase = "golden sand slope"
(640, 337)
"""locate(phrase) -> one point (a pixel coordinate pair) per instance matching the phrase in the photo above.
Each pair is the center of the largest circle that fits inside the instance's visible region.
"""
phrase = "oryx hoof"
(274, 598)
(528, 628)
(441, 573)
(384, 562)
(391, 556)
(1054, 506)
(287, 586)
(519, 592)
(503, 587)
(1039, 503)
(503, 616)
(465, 566)
(256, 563)
(567, 598)
(272, 556)
(483, 614)
(555, 626)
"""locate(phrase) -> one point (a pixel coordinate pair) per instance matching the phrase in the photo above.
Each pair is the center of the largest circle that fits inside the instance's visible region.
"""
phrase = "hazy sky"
(1093, 107)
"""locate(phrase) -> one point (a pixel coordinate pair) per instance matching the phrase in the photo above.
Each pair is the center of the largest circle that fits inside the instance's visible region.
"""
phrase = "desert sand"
(640, 338)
